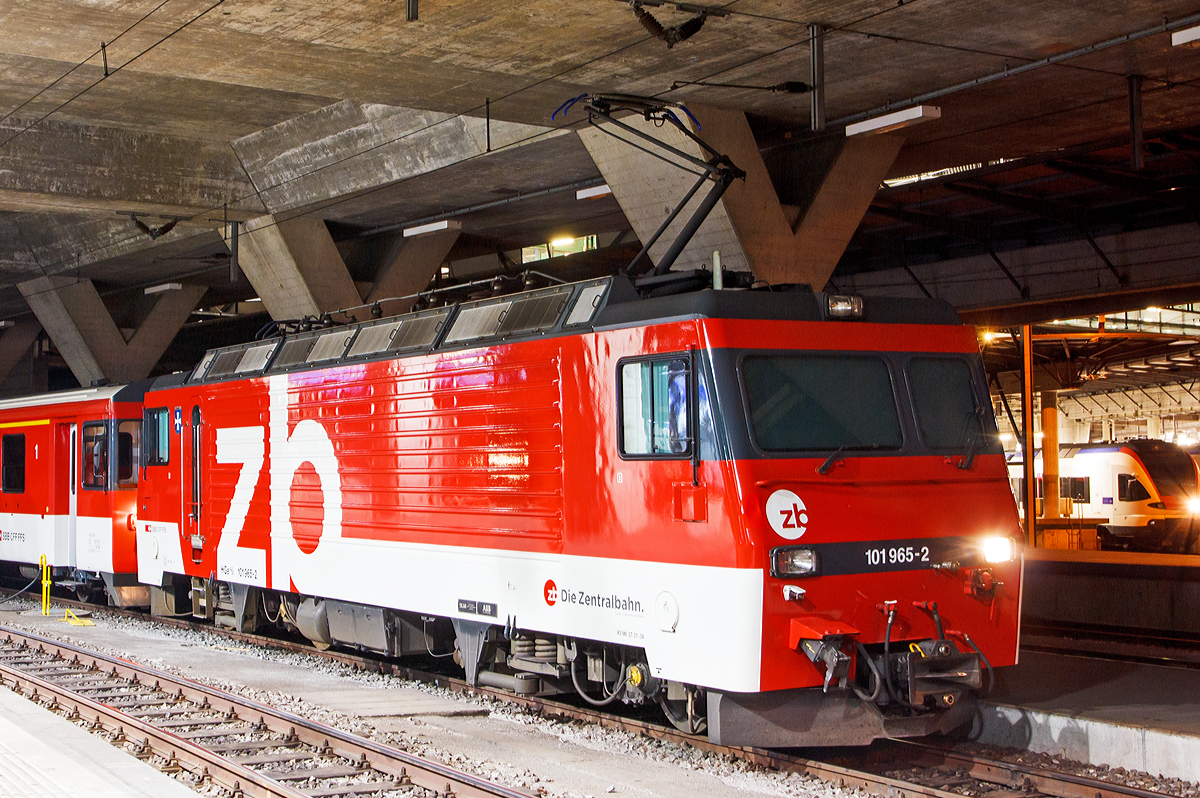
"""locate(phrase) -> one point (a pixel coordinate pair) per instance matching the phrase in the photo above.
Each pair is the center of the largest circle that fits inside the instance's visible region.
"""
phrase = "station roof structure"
(1059, 177)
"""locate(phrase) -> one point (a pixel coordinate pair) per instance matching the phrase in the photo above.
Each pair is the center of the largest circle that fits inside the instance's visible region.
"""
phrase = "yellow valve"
(45, 584)
(914, 648)
(634, 676)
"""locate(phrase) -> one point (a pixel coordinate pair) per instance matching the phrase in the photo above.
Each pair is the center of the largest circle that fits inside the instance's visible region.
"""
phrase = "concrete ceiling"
(244, 107)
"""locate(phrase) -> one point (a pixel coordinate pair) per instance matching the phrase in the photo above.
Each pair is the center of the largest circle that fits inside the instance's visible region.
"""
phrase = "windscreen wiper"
(830, 461)
(973, 434)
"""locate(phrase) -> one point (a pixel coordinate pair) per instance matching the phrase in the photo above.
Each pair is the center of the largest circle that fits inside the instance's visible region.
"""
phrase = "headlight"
(1193, 506)
(844, 306)
(789, 561)
(998, 549)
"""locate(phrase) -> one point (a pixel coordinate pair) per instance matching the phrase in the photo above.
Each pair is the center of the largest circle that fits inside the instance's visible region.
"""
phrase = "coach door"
(66, 489)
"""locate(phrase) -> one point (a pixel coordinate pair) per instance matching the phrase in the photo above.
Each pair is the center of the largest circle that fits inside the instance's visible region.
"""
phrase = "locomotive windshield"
(1170, 467)
(948, 415)
(818, 403)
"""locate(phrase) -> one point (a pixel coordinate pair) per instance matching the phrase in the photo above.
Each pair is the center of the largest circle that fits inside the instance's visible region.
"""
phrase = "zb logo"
(787, 515)
(551, 592)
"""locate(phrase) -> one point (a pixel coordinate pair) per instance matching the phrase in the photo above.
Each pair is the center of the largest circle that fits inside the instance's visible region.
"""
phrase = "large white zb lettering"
(236, 563)
(307, 443)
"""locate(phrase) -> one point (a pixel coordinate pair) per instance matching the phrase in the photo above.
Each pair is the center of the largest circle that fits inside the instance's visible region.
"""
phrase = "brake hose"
(982, 656)
(594, 702)
(862, 652)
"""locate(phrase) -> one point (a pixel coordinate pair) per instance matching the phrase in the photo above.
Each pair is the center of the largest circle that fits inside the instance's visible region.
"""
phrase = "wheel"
(677, 712)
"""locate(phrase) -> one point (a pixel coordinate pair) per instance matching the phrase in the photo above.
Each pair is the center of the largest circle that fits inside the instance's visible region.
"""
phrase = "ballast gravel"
(490, 738)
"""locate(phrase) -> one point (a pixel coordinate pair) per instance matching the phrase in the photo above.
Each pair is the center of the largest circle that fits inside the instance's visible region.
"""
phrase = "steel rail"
(1061, 785)
(1054, 783)
(235, 778)
(427, 774)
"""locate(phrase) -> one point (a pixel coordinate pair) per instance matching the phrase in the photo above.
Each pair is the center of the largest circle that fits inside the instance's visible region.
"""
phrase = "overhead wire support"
(718, 168)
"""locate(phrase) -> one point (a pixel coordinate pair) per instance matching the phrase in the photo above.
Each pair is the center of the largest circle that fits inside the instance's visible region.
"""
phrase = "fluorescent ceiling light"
(158, 289)
(895, 121)
(562, 242)
(432, 227)
(1186, 36)
(7, 323)
(593, 192)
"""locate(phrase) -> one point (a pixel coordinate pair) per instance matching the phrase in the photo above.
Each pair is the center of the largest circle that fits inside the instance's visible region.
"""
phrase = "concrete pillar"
(15, 342)
(295, 267)
(1110, 430)
(1153, 427)
(410, 264)
(75, 318)
(1050, 493)
(750, 226)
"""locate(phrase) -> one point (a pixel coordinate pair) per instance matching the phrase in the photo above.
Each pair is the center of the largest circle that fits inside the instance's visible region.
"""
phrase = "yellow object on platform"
(45, 584)
(75, 620)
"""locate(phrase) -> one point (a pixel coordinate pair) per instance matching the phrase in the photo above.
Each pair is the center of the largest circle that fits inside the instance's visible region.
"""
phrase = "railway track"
(1127, 645)
(897, 769)
(247, 748)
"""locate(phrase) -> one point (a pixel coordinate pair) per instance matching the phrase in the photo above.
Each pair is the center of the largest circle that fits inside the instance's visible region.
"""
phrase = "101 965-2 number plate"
(873, 556)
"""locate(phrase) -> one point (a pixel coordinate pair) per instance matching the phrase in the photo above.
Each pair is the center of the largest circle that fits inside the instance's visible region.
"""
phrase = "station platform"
(1103, 712)
(1113, 589)
(45, 756)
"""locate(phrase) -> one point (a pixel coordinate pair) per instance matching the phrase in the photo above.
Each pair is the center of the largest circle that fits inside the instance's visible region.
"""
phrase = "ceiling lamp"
(896, 120)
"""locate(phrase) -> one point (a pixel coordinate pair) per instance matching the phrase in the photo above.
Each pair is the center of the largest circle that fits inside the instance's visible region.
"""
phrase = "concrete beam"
(350, 147)
(83, 331)
(295, 267)
(68, 167)
(14, 343)
(46, 244)
(1063, 279)
(804, 249)
(411, 263)
(751, 228)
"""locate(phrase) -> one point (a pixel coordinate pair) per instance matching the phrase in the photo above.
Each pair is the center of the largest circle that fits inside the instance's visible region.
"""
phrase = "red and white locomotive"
(783, 516)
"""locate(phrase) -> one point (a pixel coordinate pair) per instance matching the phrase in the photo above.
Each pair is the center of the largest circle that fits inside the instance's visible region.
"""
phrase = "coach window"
(1129, 489)
(95, 456)
(129, 452)
(654, 408)
(12, 455)
(156, 449)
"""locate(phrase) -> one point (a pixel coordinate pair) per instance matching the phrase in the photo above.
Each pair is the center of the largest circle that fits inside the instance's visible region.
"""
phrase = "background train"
(782, 516)
(1147, 491)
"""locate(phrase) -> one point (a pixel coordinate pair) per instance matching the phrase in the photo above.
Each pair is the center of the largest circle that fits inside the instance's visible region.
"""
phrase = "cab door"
(192, 480)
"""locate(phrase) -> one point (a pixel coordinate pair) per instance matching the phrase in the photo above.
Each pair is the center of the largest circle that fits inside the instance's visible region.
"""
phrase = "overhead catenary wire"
(84, 62)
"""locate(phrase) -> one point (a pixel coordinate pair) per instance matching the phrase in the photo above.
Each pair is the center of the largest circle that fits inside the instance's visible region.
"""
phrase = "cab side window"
(157, 449)
(1129, 489)
(654, 408)
(94, 471)
(12, 455)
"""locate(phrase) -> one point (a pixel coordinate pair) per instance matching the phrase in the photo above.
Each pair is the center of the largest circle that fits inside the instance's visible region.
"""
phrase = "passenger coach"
(68, 489)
